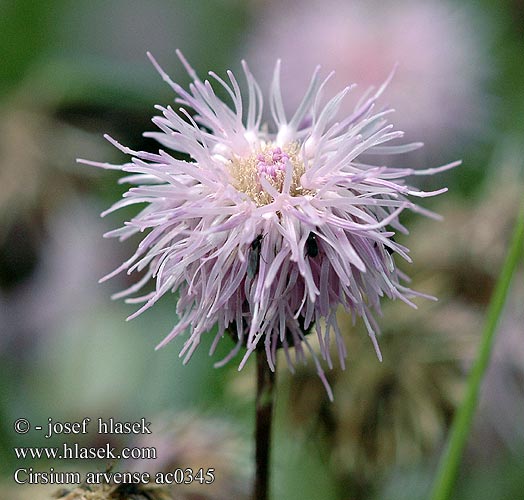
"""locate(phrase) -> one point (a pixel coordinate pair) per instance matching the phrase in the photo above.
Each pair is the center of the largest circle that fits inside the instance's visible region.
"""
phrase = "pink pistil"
(272, 162)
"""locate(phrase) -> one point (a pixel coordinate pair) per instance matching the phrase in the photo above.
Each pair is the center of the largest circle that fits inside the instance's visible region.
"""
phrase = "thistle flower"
(264, 230)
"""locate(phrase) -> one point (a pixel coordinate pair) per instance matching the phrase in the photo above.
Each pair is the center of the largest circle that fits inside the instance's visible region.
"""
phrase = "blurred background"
(73, 70)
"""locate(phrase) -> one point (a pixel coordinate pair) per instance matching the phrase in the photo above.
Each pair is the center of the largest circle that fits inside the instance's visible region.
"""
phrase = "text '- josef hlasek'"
(109, 426)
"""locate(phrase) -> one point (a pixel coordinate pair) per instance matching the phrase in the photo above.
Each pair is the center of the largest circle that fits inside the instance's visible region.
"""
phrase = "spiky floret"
(265, 231)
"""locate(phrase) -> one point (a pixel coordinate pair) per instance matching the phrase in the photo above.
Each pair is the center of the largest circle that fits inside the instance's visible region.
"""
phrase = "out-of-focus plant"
(185, 440)
(439, 90)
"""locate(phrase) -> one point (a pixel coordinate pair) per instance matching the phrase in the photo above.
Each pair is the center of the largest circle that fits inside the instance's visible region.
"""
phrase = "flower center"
(270, 163)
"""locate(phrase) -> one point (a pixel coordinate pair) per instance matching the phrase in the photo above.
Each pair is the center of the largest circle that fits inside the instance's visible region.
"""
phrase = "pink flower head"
(267, 229)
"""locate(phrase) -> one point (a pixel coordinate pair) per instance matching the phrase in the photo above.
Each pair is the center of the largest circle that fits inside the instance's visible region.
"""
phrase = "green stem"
(450, 460)
(264, 417)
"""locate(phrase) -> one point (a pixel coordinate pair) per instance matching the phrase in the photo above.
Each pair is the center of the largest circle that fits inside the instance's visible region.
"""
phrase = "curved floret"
(268, 228)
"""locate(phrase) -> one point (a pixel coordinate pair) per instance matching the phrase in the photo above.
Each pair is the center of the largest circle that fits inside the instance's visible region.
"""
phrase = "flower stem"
(264, 416)
(450, 460)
